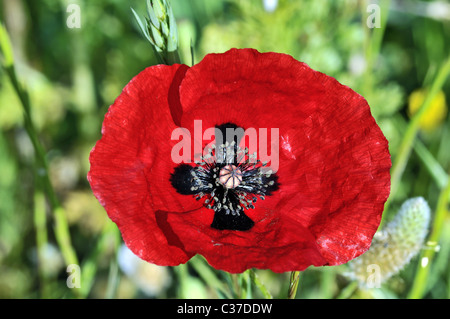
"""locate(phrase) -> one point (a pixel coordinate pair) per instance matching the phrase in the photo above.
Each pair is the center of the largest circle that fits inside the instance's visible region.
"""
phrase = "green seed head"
(393, 247)
(160, 29)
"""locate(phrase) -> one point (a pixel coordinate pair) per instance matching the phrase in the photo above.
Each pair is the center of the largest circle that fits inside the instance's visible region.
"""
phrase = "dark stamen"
(229, 179)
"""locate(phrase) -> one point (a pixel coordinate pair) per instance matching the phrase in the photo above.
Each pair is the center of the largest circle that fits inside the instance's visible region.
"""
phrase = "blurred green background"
(72, 75)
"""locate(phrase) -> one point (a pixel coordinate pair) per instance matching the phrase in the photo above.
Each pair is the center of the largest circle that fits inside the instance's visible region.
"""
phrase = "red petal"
(131, 164)
(270, 244)
(333, 170)
(334, 159)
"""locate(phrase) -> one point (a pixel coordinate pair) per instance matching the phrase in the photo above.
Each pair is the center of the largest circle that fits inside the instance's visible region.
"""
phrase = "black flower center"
(228, 179)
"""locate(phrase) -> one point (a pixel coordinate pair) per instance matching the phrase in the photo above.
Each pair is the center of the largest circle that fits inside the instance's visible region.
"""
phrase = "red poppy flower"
(321, 205)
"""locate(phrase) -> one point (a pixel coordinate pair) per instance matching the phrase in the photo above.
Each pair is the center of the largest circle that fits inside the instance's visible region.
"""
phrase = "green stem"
(114, 275)
(236, 287)
(113, 280)
(432, 165)
(348, 291)
(293, 284)
(419, 287)
(182, 273)
(246, 285)
(327, 282)
(40, 226)
(373, 41)
(61, 226)
(399, 165)
(90, 263)
(255, 279)
(171, 58)
(208, 276)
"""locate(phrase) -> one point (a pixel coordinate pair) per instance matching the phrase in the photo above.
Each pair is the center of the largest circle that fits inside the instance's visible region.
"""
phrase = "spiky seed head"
(394, 246)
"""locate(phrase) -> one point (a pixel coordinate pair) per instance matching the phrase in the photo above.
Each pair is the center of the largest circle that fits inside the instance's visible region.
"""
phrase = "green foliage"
(71, 76)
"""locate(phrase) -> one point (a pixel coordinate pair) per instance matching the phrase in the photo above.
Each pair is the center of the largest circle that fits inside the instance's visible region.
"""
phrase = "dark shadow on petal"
(173, 98)
(162, 222)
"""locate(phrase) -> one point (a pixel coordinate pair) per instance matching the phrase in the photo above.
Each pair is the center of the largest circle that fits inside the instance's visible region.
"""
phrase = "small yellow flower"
(434, 115)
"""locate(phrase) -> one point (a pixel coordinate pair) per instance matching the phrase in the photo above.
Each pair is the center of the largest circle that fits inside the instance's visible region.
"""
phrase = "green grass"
(57, 83)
